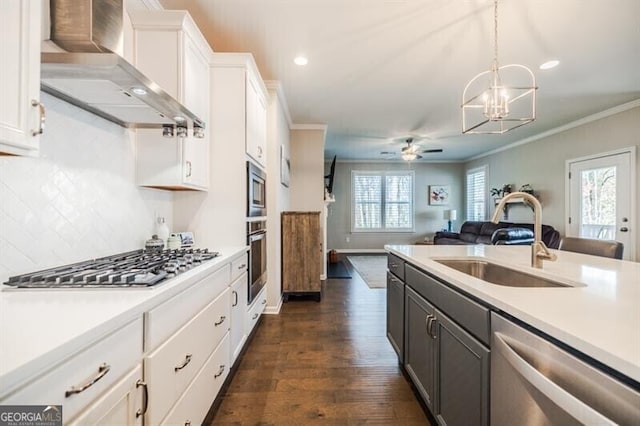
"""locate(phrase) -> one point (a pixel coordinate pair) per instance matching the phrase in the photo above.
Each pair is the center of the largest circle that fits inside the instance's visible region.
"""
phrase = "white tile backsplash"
(77, 199)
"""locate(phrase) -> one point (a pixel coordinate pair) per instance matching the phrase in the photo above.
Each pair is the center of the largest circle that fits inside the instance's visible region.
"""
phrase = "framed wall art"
(439, 195)
(285, 166)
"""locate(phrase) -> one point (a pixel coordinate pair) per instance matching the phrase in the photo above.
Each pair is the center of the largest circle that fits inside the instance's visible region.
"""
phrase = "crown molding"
(152, 4)
(309, 127)
(276, 86)
(580, 122)
(322, 127)
(395, 161)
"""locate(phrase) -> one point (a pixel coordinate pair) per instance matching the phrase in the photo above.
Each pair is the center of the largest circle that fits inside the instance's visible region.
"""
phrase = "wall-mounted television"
(329, 178)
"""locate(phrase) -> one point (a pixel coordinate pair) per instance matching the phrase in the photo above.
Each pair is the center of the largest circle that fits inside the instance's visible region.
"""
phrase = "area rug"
(372, 269)
(337, 270)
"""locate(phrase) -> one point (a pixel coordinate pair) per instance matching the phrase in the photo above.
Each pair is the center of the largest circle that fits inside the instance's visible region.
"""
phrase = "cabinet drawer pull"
(244, 265)
(235, 298)
(219, 373)
(187, 360)
(222, 318)
(264, 301)
(102, 371)
(393, 265)
(188, 168)
(145, 399)
(433, 332)
(260, 152)
(43, 117)
(428, 320)
(187, 423)
(255, 316)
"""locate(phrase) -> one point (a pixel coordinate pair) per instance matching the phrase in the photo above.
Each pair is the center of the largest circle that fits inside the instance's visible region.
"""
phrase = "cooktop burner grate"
(139, 268)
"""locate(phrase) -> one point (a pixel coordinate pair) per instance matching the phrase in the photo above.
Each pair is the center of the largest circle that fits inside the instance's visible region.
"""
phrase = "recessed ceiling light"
(178, 118)
(549, 64)
(139, 91)
(301, 60)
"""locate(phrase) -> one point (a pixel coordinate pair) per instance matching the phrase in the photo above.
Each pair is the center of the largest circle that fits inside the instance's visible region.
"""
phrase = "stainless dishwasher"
(535, 382)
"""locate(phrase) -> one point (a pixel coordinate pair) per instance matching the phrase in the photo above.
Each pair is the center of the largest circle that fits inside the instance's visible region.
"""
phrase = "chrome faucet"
(539, 250)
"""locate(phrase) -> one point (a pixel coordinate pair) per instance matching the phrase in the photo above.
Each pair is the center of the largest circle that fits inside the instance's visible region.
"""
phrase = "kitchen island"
(560, 343)
(600, 317)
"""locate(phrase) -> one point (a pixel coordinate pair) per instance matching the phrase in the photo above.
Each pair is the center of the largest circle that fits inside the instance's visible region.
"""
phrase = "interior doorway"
(601, 198)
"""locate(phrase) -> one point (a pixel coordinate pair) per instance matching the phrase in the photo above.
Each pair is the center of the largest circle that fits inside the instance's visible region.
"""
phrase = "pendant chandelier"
(491, 106)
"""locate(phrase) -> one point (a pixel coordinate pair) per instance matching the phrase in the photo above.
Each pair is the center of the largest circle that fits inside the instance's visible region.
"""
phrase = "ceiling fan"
(411, 151)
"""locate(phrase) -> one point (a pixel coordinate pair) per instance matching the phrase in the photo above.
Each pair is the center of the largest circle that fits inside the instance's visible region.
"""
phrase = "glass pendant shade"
(500, 99)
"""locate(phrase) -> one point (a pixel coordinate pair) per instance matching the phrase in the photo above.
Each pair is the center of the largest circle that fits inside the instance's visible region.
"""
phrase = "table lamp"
(451, 215)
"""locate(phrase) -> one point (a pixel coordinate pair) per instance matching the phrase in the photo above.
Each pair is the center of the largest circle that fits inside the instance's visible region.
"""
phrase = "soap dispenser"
(162, 230)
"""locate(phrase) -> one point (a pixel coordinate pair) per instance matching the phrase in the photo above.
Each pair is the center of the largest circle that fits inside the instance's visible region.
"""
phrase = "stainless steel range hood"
(90, 75)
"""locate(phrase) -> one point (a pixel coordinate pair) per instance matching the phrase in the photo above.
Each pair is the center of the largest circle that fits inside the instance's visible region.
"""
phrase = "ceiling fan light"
(409, 156)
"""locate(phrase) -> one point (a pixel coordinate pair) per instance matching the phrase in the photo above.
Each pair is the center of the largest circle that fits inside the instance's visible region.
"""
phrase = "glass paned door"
(600, 200)
(598, 203)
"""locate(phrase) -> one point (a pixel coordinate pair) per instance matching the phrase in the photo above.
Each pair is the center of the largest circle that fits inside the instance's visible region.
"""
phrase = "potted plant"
(528, 189)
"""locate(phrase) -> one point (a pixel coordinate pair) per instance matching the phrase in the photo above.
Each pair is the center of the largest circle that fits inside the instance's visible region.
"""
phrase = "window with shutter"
(476, 193)
(382, 201)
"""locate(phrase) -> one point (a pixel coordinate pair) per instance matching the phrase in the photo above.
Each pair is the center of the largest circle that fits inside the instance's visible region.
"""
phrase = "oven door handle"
(257, 236)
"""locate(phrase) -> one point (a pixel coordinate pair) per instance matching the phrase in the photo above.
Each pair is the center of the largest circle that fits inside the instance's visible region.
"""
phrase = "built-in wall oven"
(256, 191)
(257, 241)
(256, 229)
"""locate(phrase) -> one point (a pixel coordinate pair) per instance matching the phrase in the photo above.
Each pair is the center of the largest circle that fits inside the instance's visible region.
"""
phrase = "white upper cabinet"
(256, 121)
(240, 97)
(21, 114)
(171, 51)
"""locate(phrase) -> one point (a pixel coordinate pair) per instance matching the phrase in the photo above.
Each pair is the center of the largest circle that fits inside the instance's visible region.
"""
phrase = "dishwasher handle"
(563, 399)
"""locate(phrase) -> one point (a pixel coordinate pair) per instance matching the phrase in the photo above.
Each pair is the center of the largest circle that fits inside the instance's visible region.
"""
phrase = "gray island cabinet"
(481, 353)
(395, 304)
(446, 349)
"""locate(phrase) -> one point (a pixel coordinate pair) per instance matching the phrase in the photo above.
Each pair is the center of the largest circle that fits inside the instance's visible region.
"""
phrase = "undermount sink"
(500, 275)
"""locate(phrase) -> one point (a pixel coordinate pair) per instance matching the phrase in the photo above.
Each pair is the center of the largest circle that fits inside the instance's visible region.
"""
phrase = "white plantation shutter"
(367, 190)
(382, 201)
(476, 193)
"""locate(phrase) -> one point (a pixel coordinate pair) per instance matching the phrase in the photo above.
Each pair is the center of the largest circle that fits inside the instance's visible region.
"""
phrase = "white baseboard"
(361, 250)
(273, 310)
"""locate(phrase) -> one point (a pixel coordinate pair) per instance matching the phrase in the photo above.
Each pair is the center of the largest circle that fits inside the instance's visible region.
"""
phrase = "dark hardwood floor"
(327, 362)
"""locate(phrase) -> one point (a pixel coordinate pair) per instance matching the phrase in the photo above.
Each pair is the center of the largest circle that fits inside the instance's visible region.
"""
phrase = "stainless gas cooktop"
(139, 268)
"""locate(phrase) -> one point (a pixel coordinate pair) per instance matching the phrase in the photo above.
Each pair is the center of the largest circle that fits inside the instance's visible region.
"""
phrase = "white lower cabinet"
(170, 369)
(168, 317)
(166, 366)
(86, 376)
(123, 405)
(192, 408)
(238, 336)
(256, 309)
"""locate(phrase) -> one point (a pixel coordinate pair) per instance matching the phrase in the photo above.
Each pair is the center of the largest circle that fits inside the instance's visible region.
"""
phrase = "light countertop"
(600, 319)
(39, 328)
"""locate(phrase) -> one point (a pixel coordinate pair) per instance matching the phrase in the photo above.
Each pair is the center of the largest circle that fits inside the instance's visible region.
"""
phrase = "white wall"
(307, 176)
(218, 217)
(428, 219)
(277, 194)
(78, 199)
(307, 169)
(541, 163)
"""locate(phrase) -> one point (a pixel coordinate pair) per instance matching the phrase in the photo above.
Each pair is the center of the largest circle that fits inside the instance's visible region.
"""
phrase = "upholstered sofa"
(474, 232)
